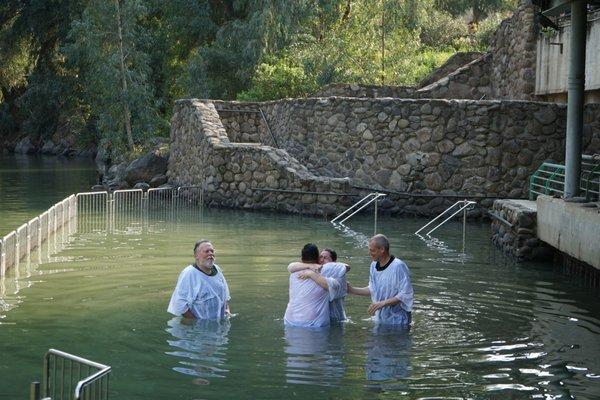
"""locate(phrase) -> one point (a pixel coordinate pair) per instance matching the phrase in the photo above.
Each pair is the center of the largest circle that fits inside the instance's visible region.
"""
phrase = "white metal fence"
(120, 211)
(20, 243)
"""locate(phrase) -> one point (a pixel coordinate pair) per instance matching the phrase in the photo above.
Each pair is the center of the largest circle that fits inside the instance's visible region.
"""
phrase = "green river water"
(482, 327)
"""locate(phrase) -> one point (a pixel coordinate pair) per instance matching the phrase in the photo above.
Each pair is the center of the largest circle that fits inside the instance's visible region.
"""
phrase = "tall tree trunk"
(347, 9)
(126, 112)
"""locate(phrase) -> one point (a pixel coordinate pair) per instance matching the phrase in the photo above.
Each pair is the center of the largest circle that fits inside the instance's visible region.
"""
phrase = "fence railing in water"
(122, 210)
(67, 376)
(130, 210)
(18, 244)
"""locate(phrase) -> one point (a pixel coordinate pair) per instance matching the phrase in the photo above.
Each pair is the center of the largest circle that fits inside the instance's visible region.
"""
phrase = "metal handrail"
(466, 203)
(262, 114)
(595, 170)
(373, 196)
(549, 178)
(82, 384)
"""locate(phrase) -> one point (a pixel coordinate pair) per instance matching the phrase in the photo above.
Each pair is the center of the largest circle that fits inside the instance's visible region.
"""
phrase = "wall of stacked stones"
(431, 146)
(512, 70)
(471, 81)
(233, 174)
(243, 122)
(516, 232)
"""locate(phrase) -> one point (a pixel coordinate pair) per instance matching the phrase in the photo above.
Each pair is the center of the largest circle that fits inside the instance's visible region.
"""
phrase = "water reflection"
(314, 355)
(388, 355)
(201, 346)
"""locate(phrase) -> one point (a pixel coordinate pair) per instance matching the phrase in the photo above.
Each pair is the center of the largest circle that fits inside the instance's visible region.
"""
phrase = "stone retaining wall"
(424, 146)
(453, 63)
(428, 146)
(471, 81)
(512, 68)
(233, 173)
(517, 234)
(243, 122)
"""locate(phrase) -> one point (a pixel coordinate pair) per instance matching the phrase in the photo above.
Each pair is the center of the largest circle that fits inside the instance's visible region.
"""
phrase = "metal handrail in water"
(364, 202)
(58, 387)
(465, 204)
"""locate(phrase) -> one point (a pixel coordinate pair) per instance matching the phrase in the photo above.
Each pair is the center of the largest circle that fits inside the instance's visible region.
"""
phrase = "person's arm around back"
(300, 266)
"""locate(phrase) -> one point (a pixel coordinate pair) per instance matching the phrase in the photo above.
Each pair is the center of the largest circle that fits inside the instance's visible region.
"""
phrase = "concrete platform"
(572, 228)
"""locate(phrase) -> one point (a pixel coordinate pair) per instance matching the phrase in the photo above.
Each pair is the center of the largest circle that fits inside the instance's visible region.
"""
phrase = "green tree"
(479, 8)
(32, 80)
(108, 47)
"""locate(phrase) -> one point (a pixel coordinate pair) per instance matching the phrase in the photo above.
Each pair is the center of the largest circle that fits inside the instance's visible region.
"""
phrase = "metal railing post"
(34, 391)
(464, 227)
(2, 259)
(375, 218)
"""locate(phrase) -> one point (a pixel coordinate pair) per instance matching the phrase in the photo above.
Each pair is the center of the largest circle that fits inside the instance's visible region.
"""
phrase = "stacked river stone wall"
(512, 69)
(233, 174)
(515, 232)
(424, 146)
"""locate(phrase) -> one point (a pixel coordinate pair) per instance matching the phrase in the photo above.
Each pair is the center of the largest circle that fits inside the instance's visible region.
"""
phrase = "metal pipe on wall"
(575, 98)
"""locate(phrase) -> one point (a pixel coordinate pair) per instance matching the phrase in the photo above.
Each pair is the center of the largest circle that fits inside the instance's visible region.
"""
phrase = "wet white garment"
(336, 271)
(205, 296)
(309, 303)
(394, 281)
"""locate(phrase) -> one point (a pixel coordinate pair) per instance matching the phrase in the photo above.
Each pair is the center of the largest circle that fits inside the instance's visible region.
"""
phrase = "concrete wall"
(571, 228)
(553, 59)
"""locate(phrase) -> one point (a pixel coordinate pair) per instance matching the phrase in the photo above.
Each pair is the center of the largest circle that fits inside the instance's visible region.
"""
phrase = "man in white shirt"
(330, 268)
(389, 286)
(201, 291)
(308, 305)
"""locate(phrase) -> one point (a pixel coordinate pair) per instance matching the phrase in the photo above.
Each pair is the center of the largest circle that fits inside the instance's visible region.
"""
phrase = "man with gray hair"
(389, 285)
(201, 291)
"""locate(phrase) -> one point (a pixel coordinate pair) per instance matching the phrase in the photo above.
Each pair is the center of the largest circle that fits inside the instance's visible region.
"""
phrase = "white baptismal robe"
(205, 296)
(309, 303)
(336, 271)
(393, 281)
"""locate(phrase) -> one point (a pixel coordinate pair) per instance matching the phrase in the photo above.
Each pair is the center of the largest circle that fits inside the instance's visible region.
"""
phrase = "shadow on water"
(201, 347)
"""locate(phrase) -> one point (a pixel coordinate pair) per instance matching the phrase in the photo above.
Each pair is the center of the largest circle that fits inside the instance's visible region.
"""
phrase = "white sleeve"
(333, 288)
(183, 296)
(405, 290)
